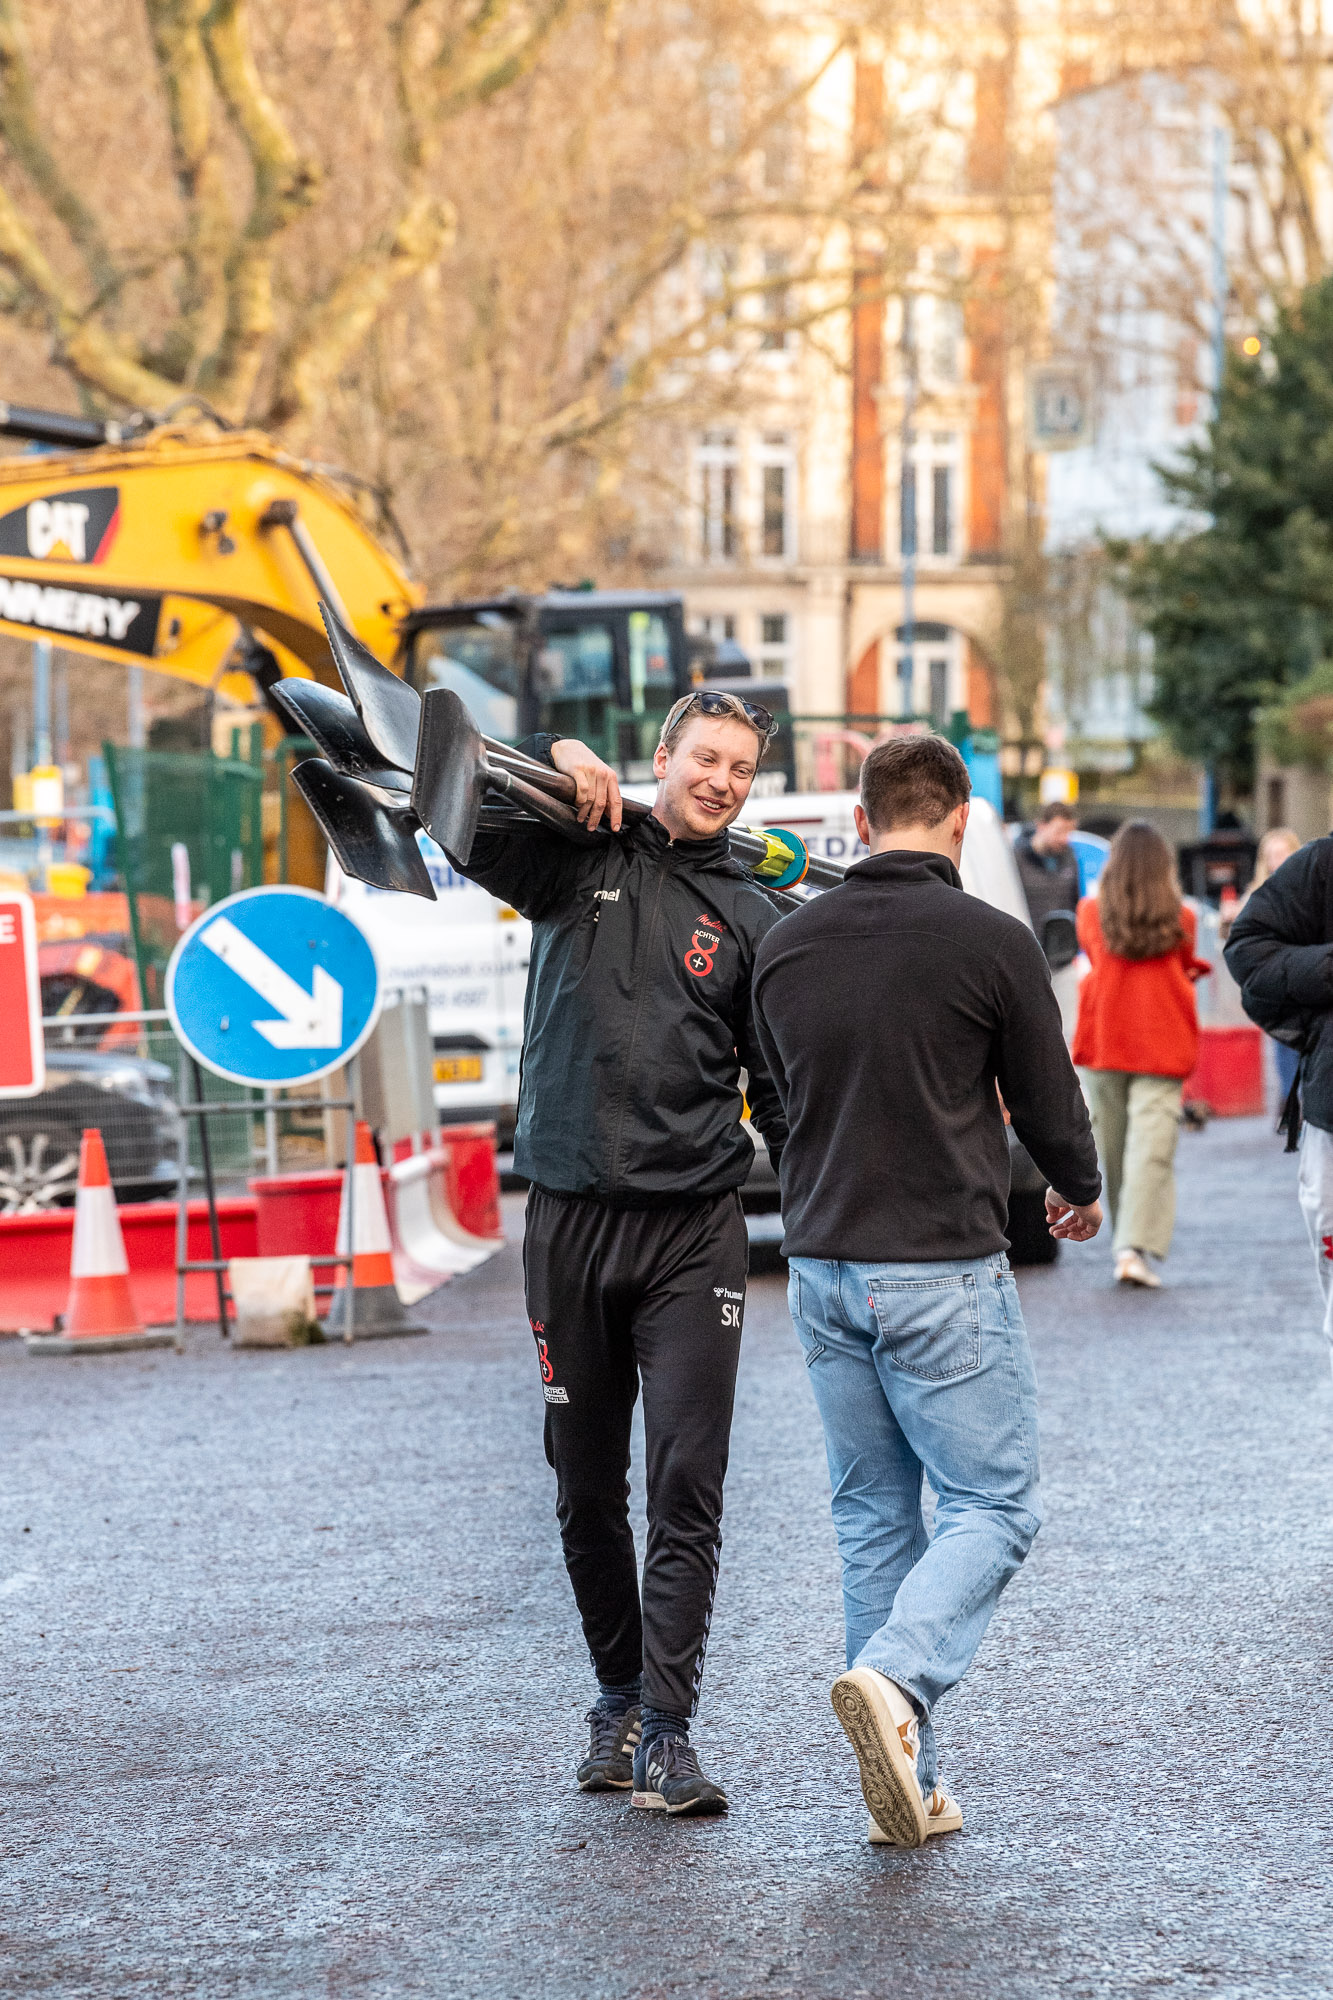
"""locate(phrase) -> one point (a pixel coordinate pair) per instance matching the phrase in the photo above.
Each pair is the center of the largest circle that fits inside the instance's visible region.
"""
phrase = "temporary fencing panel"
(172, 808)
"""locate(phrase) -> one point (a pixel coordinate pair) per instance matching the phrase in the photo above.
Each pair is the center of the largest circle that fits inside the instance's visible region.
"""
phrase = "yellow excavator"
(187, 548)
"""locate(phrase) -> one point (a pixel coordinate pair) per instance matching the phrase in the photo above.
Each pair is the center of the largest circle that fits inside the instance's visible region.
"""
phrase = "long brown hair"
(1138, 895)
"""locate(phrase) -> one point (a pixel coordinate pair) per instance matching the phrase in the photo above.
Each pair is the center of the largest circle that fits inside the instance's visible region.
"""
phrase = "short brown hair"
(912, 781)
(1138, 894)
(1057, 809)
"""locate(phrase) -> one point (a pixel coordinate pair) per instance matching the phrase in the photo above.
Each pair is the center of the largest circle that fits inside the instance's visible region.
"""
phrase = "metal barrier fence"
(128, 1075)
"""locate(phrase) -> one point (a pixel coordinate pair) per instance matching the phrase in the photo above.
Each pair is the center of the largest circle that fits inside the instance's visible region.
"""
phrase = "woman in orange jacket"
(1137, 1038)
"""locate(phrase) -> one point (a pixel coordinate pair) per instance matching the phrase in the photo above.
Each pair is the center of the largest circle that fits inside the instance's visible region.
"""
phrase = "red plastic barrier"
(1229, 1075)
(472, 1177)
(35, 1259)
(298, 1214)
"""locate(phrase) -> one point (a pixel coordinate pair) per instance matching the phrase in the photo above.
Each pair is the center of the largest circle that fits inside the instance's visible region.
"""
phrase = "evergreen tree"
(1242, 608)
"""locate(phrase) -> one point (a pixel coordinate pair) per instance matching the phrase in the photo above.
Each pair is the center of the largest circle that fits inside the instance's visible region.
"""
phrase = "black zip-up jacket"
(889, 1009)
(1280, 953)
(637, 1018)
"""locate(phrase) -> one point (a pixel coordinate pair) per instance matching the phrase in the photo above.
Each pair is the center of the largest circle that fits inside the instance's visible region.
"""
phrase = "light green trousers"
(1136, 1121)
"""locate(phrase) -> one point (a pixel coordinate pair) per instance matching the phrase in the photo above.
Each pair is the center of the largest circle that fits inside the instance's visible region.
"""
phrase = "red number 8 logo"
(699, 957)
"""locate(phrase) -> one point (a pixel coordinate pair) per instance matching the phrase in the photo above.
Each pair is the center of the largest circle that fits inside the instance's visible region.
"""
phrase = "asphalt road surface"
(292, 1682)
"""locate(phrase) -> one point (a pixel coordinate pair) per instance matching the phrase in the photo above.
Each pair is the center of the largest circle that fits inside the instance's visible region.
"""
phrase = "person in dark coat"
(1281, 956)
(1047, 864)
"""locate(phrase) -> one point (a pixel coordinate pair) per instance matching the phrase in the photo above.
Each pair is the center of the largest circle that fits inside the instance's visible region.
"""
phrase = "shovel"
(388, 707)
(373, 833)
(456, 767)
(337, 731)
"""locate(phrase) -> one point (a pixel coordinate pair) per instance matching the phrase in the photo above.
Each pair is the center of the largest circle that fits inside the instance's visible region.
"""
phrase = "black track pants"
(615, 1295)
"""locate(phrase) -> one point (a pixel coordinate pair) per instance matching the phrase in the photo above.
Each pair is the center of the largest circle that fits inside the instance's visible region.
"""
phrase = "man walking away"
(1281, 956)
(635, 1028)
(1047, 864)
(890, 1010)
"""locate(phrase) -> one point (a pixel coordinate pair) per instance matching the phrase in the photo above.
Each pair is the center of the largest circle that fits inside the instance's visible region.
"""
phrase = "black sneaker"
(667, 1778)
(612, 1742)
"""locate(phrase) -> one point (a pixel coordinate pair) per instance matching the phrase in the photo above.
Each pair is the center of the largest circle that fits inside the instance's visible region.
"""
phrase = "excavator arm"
(182, 547)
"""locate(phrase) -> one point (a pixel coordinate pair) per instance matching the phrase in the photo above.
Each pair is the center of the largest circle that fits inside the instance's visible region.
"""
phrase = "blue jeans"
(922, 1368)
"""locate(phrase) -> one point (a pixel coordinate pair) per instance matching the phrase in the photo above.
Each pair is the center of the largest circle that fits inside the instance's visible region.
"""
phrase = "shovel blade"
(372, 840)
(388, 707)
(333, 725)
(450, 780)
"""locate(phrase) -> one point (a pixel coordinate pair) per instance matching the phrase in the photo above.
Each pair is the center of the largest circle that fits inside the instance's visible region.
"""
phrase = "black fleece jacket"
(637, 1018)
(1280, 953)
(889, 1009)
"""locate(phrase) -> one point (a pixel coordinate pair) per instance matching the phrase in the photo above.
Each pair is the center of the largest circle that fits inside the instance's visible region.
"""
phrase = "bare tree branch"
(21, 126)
(285, 182)
(187, 85)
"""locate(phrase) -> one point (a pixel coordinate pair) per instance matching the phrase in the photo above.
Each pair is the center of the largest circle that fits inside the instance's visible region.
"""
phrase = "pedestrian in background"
(1278, 845)
(1047, 864)
(1137, 1039)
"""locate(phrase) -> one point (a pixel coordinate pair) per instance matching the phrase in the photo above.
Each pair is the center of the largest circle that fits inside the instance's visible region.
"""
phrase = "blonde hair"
(1289, 841)
(729, 708)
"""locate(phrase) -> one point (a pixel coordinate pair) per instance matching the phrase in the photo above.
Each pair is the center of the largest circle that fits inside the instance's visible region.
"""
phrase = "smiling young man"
(636, 1027)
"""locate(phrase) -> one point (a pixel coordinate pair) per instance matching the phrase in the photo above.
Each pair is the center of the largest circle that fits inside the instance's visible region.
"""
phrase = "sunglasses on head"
(710, 701)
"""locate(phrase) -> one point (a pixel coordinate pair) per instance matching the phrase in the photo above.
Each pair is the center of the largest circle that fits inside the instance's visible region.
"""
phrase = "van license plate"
(458, 1069)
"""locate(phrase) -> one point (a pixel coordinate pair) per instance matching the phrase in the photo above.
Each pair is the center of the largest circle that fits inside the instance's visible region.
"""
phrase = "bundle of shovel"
(394, 761)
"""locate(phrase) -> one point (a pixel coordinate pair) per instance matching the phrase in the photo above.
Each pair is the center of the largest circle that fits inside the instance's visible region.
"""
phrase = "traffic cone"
(376, 1309)
(101, 1311)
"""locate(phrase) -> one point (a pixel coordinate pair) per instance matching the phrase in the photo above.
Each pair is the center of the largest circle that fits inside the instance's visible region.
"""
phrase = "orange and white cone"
(101, 1310)
(368, 1307)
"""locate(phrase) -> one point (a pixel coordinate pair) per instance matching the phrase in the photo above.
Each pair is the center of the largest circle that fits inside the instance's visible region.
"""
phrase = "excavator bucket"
(389, 708)
(451, 774)
(333, 725)
(373, 840)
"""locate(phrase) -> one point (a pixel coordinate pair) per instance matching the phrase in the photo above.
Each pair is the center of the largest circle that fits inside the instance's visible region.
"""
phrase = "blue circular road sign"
(273, 986)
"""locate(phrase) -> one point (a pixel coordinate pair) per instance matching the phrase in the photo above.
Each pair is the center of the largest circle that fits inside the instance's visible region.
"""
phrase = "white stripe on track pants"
(1315, 1189)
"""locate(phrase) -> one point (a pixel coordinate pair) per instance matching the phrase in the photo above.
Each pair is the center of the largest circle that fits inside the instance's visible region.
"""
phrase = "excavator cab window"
(595, 665)
(479, 660)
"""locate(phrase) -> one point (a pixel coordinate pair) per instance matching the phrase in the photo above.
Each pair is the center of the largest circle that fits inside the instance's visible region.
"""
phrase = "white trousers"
(1315, 1188)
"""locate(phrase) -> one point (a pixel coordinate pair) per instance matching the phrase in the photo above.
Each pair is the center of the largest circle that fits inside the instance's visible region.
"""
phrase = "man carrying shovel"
(637, 1025)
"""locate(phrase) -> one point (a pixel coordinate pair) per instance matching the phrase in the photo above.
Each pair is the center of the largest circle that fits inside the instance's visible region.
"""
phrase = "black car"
(131, 1100)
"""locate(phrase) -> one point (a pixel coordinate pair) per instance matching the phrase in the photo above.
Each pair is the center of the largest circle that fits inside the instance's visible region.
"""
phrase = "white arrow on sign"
(309, 1020)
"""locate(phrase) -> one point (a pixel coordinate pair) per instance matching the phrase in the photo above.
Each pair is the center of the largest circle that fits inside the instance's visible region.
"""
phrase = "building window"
(942, 522)
(906, 691)
(907, 505)
(774, 302)
(719, 487)
(939, 692)
(775, 510)
(929, 483)
(774, 648)
(944, 355)
(718, 625)
(777, 482)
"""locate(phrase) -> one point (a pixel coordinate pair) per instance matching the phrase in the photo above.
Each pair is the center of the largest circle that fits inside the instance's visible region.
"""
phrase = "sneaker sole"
(654, 1802)
(886, 1778)
(606, 1784)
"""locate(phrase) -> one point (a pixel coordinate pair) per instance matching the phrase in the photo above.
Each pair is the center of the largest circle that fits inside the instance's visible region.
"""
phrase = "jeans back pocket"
(930, 1326)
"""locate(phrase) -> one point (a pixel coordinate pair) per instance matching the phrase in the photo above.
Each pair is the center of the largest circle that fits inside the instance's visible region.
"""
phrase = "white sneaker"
(943, 1815)
(882, 1729)
(1131, 1268)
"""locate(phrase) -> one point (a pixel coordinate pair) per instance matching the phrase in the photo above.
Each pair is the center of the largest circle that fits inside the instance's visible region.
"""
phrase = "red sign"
(22, 1055)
